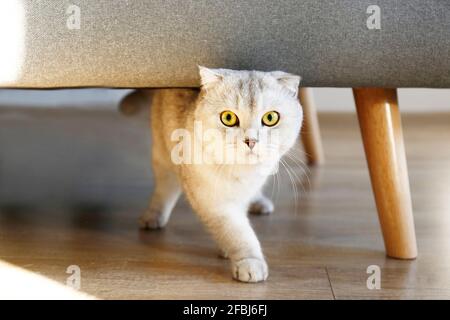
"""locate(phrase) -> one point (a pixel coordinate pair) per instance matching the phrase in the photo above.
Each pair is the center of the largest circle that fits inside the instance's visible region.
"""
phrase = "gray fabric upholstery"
(158, 43)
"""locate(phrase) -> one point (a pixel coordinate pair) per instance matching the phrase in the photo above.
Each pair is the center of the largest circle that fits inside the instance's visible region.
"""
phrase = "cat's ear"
(289, 81)
(209, 77)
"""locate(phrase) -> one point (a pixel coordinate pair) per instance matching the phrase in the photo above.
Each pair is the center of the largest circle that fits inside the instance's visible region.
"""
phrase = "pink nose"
(250, 142)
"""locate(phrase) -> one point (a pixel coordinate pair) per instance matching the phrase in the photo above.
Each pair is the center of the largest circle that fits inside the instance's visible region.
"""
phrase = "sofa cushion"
(159, 43)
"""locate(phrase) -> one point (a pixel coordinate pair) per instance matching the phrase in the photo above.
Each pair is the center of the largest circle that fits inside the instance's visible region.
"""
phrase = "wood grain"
(318, 246)
(381, 131)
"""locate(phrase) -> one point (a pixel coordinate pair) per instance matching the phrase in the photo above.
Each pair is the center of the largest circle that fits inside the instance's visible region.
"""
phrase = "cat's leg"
(163, 200)
(261, 205)
(229, 225)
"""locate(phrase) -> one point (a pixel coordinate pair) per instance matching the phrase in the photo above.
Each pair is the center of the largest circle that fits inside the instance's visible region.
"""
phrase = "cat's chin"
(257, 169)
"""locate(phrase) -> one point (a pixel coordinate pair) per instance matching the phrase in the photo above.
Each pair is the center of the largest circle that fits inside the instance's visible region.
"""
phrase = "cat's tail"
(136, 101)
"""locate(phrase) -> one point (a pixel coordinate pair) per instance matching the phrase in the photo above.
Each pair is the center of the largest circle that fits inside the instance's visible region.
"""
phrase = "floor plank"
(318, 243)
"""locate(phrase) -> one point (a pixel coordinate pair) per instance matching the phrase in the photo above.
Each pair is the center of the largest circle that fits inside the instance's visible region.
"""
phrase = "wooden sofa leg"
(381, 131)
(310, 134)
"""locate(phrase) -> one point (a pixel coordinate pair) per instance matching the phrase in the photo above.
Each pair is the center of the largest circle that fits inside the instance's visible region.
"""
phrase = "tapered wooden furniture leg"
(381, 130)
(312, 143)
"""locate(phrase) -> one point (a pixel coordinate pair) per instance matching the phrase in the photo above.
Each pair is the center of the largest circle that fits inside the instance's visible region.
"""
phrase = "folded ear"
(209, 77)
(289, 81)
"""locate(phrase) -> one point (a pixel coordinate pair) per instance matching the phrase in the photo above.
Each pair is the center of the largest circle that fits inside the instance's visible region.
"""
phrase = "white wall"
(72, 98)
(327, 99)
(410, 100)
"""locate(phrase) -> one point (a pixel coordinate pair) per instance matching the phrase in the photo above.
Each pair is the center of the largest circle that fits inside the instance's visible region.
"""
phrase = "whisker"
(303, 167)
(294, 188)
(294, 173)
(295, 156)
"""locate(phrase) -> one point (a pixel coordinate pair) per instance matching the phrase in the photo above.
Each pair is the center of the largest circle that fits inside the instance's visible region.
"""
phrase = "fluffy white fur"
(220, 193)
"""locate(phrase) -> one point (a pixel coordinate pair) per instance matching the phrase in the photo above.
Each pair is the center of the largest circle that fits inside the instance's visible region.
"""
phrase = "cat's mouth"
(253, 156)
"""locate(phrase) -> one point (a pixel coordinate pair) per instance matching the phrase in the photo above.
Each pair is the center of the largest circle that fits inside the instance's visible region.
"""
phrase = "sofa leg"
(381, 131)
(310, 134)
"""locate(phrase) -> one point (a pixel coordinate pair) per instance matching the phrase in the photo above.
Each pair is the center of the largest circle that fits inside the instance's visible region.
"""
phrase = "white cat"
(244, 105)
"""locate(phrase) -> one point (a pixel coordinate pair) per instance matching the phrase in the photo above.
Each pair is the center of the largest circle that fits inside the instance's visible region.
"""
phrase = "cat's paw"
(250, 270)
(262, 206)
(152, 220)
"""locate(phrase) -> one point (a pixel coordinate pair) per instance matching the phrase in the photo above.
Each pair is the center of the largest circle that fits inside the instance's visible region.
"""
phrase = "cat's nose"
(250, 142)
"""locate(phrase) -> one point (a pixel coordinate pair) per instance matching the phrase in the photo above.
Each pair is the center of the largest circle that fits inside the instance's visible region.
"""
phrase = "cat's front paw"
(152, 220)
(250, 270)
(261, 206)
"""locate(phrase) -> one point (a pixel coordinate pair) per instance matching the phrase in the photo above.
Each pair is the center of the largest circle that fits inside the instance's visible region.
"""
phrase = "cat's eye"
(229, 118)
(270, 118)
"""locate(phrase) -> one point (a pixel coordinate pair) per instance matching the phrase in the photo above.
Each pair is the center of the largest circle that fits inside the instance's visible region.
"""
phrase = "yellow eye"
(229, 118)
(270, 118)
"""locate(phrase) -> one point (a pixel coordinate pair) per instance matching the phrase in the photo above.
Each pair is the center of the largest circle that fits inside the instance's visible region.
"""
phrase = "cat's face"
(249, 117)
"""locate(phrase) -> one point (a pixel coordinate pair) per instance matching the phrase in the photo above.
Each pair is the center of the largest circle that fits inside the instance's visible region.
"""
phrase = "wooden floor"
(318, 243)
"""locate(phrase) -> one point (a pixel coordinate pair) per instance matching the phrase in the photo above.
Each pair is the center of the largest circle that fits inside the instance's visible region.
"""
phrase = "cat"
(245, 105)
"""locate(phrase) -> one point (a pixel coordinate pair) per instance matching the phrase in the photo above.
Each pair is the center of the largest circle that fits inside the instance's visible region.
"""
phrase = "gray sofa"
(158, 43)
